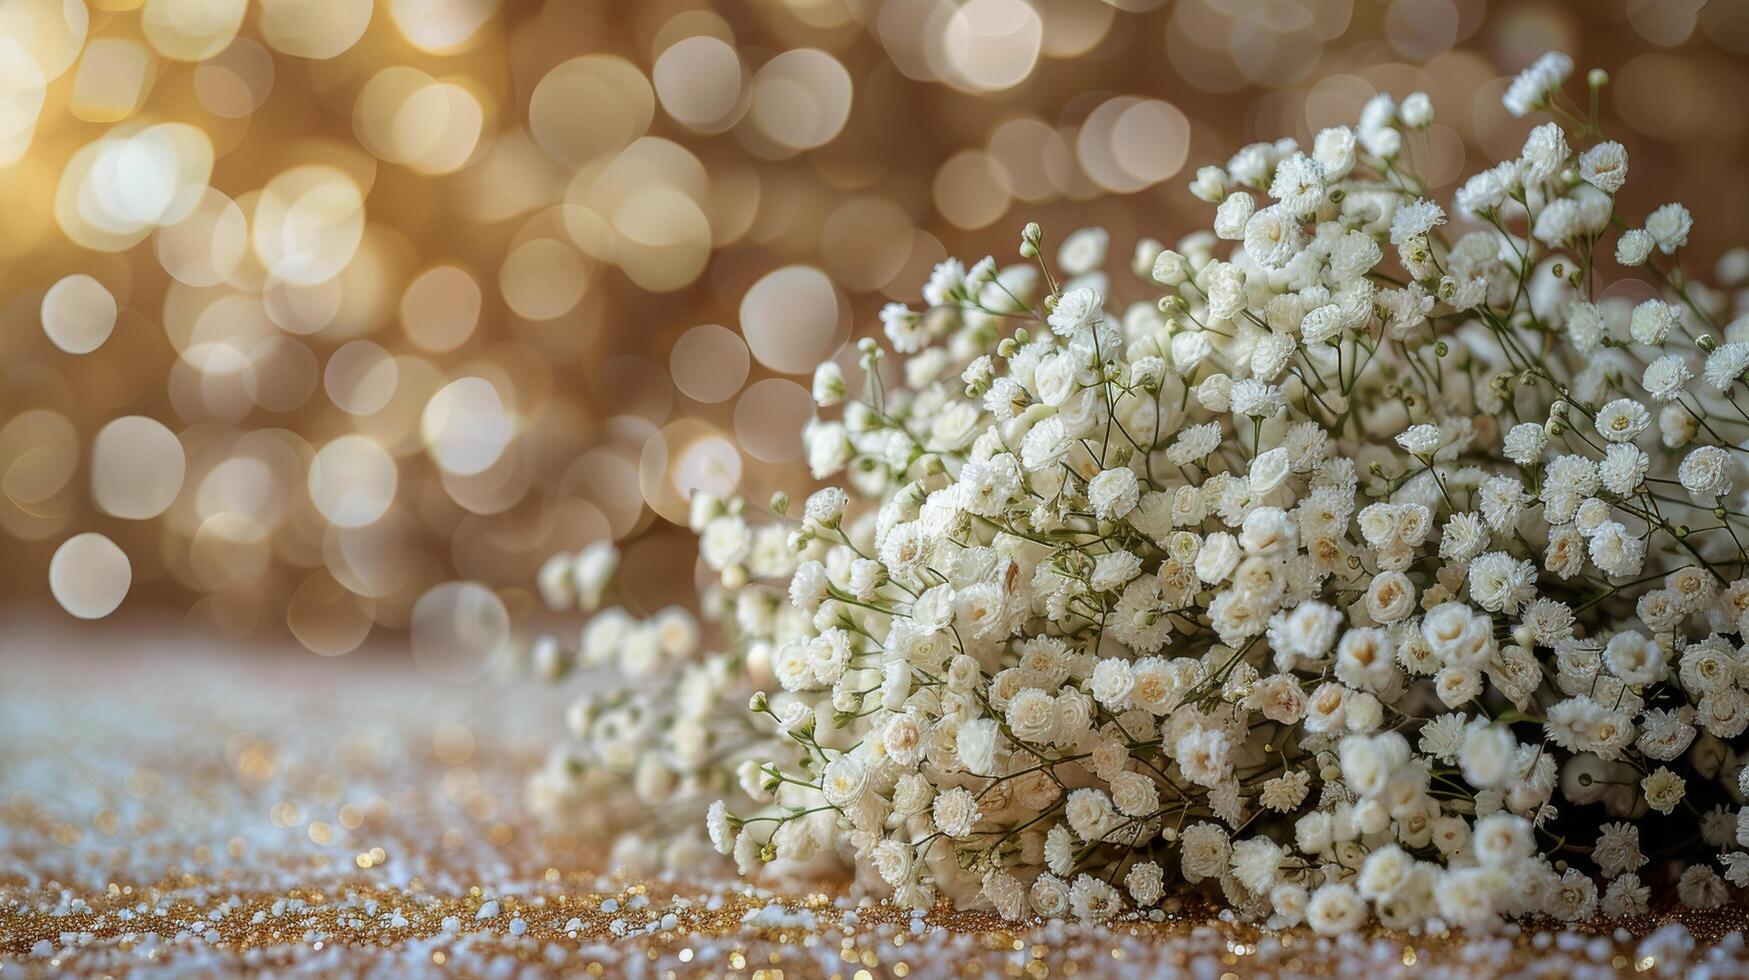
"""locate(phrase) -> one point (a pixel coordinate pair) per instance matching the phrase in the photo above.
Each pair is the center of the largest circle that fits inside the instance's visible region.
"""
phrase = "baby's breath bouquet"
(1392, 562)
(658, 731)
(641, 757)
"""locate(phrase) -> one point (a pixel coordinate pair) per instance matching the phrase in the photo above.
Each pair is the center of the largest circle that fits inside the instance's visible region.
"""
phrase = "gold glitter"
(111, 910)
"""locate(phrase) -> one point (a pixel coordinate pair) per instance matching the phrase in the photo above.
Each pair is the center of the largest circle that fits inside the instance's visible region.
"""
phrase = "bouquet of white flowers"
(1391, 562)
(666, 736)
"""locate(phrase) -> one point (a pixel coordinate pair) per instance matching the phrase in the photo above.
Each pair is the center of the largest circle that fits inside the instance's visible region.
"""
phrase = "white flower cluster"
(668, 727)
(1392, 563)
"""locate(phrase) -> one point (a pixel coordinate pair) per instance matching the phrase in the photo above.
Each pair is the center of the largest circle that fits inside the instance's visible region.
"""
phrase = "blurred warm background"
(310, 307)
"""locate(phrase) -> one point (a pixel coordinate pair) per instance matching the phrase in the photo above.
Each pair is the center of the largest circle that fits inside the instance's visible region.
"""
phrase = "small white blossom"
(1077, 308)
(1605, 166)
(1535, 83)
(1669, 226)
(1634, 246)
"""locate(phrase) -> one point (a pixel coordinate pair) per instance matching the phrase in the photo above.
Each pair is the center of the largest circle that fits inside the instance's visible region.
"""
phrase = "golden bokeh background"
(332, 317)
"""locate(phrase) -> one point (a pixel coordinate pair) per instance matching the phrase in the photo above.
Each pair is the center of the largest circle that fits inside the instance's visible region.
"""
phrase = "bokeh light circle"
(51, 30)
(1150, 141)
(236, 81)
(970, 190)
(709, 363)
(459, 630)
(990, 45)
(281, 374)
(352, 481)
(769, 417)
(309, 221)
(790, 318)
(466, 426)
(39, 452)
(207, 245)
(360, 378)
(801, 99)
(89, 576)
(191, 30)
(701, 83)
(137, 468)
(865, 242)
(326, 618)
(542, 279)
(78, 314)
(590, 106)
(441, 308)
(315, 29)
(441, 26)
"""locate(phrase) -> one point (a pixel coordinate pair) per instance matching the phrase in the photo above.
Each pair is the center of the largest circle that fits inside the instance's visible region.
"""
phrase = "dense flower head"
(1374, 558)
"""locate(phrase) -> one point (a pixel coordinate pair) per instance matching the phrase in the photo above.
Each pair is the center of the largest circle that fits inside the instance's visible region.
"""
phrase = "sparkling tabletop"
(178, 807)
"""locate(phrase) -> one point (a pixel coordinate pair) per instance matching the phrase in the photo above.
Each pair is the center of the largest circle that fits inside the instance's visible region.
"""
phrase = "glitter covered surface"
(171, 807)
